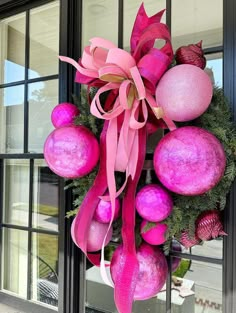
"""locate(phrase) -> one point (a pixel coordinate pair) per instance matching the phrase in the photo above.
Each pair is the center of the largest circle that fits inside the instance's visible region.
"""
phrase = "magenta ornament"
(71, 151)
(103, 211)
(189, 161)
(184, 92)
(188, 240)
(152, 270)
(154, 203)
(156, 235)
(63, 114)
(96, 235)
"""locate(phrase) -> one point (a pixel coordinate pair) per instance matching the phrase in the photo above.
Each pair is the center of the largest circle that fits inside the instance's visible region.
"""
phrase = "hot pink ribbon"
(131, 81)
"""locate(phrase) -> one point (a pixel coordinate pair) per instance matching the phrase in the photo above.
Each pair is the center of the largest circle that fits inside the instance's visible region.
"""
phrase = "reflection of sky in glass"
(216, 66)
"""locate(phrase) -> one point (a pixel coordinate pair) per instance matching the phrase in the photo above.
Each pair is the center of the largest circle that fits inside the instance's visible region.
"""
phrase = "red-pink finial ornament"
(152, 274)
(71, 151)
(191, 54)
(188, 240)
(64, 114)
(189, 161)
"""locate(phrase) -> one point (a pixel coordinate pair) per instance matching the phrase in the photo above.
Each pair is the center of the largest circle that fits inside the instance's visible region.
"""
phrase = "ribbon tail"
(129, 267)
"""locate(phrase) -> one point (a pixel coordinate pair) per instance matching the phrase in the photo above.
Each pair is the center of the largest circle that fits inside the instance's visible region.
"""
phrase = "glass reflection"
(215, 68)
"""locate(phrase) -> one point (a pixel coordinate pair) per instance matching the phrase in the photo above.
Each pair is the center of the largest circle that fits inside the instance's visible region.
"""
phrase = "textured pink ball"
(152, 270)
(103, 211)
(63, 114)
(71, 151)
(189, 161)
(155, 235)
(154, 203)
(96, 236)
(184, 92)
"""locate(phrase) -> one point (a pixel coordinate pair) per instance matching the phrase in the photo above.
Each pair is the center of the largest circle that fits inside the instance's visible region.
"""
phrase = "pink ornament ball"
(155, 235)
(184, 92)
(103, 211)
(63, 114)
(189, 161)
(152, 270)
(71, 151)
(154, 203)
(97, 232)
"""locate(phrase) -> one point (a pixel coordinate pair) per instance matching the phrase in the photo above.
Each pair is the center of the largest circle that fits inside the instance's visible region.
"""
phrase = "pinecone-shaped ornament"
(191, 54)
(188, 240)
(209, 225)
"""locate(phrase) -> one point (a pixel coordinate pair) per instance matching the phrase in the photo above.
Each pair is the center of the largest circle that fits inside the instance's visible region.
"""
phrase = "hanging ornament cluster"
(137, 93)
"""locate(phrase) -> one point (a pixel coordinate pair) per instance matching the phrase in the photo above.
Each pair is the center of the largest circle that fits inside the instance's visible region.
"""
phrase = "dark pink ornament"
(96, 235)
(63, 114)
(154, 203)
(189, 241)
(184, 92)
(209, 225)
(71, 151)
(152, 270)
(189, 161)
(191, 54)
(176, 247)
(156, 235)
(103, 211)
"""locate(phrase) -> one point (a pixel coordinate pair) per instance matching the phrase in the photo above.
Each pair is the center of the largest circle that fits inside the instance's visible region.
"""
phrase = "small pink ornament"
(155, 235)
(189, 241)
(154, 203)
(184, 92)
(209, 225)
(189, 161)
(96, 236)
(103, 211)
(153, 270)
(71, 151)
(63, 114)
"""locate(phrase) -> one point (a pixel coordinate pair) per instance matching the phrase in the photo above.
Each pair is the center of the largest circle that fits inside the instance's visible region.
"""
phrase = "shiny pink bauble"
(189, 161)
(155, 235)
(71, 151)
(63, 114)
(154, 203)
(103, 211)
(96, 235)
(184, 92)
(152, 270)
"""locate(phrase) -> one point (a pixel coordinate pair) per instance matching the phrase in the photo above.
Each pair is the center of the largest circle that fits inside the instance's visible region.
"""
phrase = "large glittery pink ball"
(189, 161)
(96, 235)
(152, 270)
(184, 92)
(71, 151)
(63, 114)
(103, 211)
(154, 203)
(156, 235)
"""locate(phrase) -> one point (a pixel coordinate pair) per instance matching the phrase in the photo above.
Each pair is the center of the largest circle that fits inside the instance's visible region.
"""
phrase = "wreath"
(145, 206)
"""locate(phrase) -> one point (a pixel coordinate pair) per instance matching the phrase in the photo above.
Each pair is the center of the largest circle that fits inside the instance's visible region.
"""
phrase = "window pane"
(46, 197)
(212, 249)
(130, 11)
(12, 119)
(42, 97)
(193, 21)
(45, 268)
(44, 40)
(16, 192)
(12, 49)
(100, 19)
(15, 261)
(205, 281)
(215, 68)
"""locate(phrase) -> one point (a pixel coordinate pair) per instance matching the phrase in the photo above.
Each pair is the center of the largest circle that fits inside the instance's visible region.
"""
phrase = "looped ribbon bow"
(131, 80)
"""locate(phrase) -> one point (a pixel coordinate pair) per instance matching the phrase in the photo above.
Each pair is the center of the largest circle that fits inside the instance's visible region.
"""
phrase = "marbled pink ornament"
(63, 114)
(103, 211)
(71, 151)
(154, 203)
(152, 270)
(96, 235)
(184, 92)
(189, 161)
(156, 235)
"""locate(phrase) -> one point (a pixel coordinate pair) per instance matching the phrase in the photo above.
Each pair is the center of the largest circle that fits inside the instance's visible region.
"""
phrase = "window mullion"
(26, 106)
